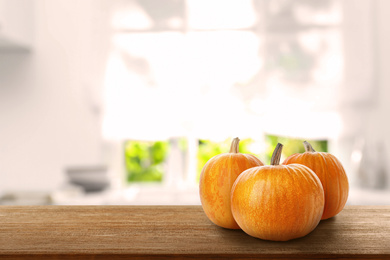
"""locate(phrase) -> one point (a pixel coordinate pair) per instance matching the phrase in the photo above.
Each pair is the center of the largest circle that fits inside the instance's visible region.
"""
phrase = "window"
(207, 71)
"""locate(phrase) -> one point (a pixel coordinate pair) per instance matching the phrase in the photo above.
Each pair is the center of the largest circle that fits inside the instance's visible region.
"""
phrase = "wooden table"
(119, 232)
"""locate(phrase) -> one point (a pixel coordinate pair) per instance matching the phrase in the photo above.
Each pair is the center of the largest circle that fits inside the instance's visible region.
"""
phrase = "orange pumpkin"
(277, 202)
(332, 175)
(216, 180)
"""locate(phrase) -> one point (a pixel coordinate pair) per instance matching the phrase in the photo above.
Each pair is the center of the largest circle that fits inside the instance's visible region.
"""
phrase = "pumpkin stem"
(308, 147)
(234, 146)
(275, 159)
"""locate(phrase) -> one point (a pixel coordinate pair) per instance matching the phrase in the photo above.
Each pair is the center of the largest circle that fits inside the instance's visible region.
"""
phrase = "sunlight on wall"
(181, 85)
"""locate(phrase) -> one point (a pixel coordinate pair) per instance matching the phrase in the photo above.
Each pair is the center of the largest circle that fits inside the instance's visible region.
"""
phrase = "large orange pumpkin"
(216, 180)
(277, 202)
(332, 175)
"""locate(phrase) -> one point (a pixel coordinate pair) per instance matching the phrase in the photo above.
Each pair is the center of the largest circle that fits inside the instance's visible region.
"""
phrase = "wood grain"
(109, 232)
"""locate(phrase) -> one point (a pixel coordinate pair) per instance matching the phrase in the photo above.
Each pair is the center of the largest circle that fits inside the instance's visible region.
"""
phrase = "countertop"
(119, 232)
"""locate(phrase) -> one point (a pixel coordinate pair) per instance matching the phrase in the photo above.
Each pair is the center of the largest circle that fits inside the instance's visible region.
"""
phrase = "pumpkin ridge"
(331, 184)
(300, 185)
(325, 167)
(313, 179)
(211, 164)
(220, 179)
(339, 190)
(309, 217)
(291, 174)
(299, 165)
(229, 161)
(215, 167)
(345, 178)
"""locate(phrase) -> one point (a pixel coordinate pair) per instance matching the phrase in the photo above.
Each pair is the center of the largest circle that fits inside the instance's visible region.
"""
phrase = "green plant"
(145, 160)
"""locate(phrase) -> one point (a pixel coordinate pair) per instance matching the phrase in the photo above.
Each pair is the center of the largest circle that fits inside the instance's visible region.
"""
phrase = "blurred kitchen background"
(123, 101)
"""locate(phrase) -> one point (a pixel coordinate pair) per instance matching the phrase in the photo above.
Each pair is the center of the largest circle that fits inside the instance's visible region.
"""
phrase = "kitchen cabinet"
(157, 232)
(16, 25)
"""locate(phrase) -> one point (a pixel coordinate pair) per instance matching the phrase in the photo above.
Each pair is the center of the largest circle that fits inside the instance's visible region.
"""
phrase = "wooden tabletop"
(109, 232)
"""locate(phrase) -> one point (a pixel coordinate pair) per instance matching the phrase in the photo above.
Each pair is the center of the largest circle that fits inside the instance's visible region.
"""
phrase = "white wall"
(380, 116)
(49, 115)
(365, 96)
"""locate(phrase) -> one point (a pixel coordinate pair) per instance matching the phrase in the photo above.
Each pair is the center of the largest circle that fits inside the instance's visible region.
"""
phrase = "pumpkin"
(331, 173)
(216, 180)
(277, 202)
